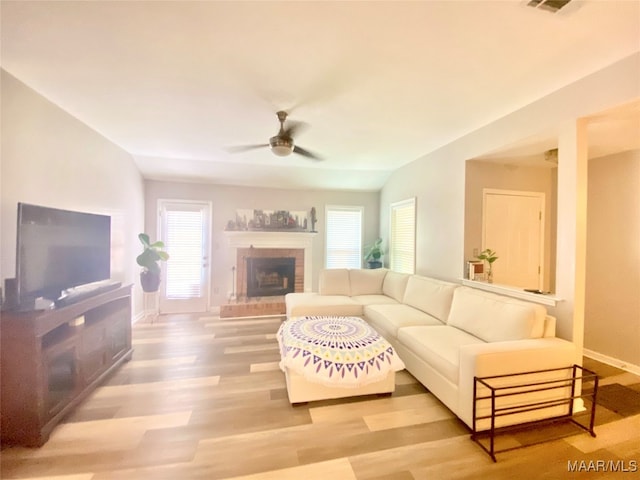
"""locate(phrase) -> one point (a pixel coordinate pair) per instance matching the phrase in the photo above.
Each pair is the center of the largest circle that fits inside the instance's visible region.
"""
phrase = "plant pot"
(150, 281)
(373, 264)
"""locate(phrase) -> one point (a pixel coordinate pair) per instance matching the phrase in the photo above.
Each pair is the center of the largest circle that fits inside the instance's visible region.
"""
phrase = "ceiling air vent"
(549, 5)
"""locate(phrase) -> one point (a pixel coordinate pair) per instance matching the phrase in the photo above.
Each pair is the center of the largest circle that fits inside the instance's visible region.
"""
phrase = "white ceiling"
(378, 84)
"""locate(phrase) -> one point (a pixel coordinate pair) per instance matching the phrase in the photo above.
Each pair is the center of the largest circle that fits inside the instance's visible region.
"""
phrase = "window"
(402, 239)
(184, 234)
(344, 237)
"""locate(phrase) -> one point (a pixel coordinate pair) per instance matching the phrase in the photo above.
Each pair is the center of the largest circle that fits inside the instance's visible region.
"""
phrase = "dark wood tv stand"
(52, 359)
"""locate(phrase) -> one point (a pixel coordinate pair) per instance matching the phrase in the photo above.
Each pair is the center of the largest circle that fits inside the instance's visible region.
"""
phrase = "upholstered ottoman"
(326, 357)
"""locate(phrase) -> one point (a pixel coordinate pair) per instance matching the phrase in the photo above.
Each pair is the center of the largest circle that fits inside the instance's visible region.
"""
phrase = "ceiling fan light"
(281, 150)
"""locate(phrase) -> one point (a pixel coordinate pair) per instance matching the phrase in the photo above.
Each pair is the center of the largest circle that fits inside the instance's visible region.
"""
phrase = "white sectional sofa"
(447, 334)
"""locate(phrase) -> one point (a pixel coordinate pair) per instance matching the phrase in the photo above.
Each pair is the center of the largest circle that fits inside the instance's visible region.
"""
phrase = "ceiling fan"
(282, 143)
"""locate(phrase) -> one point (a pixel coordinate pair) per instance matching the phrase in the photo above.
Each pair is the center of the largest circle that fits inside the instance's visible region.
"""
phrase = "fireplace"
(281, 259)
(248, 245)
(270, 276)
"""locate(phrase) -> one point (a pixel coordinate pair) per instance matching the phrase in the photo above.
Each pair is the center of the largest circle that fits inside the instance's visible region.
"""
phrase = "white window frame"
(357, 246)
(394, 263)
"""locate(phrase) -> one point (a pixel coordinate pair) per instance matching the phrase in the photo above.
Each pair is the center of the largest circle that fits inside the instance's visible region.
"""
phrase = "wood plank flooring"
(203, 398)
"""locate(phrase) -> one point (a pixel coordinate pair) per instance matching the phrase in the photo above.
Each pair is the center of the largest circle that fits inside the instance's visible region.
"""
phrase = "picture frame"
(475, 270)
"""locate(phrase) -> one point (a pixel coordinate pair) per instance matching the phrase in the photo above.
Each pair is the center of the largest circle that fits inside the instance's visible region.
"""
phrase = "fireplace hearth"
(270, 276)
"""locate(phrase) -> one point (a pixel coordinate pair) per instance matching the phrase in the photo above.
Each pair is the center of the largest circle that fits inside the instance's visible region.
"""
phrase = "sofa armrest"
(294, 300)
(300, 304)
(500, 358)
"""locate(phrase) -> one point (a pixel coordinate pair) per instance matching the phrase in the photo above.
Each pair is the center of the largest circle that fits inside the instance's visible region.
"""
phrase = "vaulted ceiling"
(376, 84)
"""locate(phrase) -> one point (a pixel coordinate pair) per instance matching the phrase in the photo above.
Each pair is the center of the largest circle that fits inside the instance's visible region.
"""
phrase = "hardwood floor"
(203, 398)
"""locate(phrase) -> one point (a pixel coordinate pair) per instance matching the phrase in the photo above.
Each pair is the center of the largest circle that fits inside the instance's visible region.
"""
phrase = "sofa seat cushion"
(300, 304)
(366, 281)
(495, 318)
(374, 300)
(438, 346)
(387, 319)
(430, 295)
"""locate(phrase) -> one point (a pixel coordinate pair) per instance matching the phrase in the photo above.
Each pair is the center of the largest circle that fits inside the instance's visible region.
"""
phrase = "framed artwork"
(268, 220)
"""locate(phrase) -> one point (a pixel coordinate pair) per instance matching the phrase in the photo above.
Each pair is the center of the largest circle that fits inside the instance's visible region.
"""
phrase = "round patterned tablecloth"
(336, 351)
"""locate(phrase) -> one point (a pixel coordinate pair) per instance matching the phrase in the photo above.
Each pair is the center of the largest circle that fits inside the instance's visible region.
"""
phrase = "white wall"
(438, 181)
(612, 311)
(50, 158)
(226, 199)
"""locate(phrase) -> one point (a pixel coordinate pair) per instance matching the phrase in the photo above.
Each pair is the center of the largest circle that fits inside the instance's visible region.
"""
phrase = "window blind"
(402, 244)
(344, 237)
(184, 239)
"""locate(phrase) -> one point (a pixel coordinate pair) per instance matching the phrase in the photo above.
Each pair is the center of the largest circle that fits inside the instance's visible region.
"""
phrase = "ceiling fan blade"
(293, 128)
(306, 153)
(244, 148)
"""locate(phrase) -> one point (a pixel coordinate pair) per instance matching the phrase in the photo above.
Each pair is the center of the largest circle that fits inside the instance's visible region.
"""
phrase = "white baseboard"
(614, 362)
(138, 317)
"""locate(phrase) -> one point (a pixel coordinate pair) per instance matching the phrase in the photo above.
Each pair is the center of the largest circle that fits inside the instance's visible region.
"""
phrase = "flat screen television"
(58, 250)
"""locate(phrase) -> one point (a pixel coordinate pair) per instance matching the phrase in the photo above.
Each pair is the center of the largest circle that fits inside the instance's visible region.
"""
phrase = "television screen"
(60, 249)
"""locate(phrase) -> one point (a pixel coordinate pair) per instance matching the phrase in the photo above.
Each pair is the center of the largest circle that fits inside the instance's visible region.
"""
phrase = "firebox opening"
(270, 276)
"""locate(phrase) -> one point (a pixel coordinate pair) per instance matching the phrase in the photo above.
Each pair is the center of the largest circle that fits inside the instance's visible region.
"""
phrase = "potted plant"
(374, 253)
(149, 259)
(488, 256)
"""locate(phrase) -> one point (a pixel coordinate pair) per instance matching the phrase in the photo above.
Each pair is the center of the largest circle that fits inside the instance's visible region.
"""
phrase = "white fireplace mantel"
(255, 239)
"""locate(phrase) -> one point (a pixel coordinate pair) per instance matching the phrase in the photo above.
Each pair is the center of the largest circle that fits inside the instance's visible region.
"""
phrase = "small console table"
(52, 359)
(506, 395)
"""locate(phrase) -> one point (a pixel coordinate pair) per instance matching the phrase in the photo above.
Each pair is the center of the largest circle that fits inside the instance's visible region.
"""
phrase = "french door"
(185, 230)
(513, 226)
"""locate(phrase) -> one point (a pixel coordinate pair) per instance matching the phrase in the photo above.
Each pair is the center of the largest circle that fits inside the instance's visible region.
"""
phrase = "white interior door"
(513, 226)
(185, 276)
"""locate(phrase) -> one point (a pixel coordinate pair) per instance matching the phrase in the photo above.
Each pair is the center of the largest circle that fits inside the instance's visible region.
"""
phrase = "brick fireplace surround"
(249, 244)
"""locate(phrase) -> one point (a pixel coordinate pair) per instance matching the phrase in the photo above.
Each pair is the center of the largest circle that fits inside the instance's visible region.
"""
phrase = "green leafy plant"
(152, 253)
(487, 255)
(375, 252)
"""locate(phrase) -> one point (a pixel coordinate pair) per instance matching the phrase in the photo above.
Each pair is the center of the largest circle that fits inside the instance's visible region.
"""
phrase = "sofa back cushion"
(495, 318)
(366, 282)
(334, 281)
(549, 327)
(394, 285)
(430, 295)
